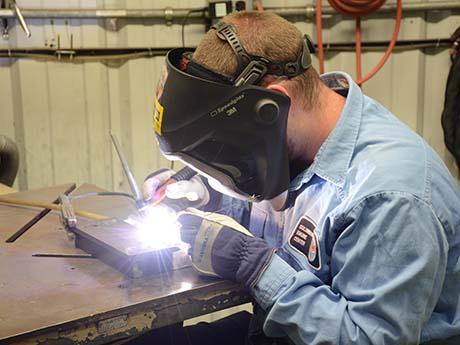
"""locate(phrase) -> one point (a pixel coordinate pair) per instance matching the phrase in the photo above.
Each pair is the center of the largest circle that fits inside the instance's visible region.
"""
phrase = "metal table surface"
(82, 300)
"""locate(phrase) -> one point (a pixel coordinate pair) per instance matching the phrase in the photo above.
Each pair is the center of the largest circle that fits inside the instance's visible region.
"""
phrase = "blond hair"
(264, 34)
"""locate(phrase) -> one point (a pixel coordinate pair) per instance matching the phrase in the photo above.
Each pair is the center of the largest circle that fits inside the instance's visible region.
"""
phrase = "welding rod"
(132, 182)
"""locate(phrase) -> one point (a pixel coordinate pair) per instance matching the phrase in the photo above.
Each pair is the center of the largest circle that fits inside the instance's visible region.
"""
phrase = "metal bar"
(67, 214)
(180, 13)
(59, 255)
(36, 219)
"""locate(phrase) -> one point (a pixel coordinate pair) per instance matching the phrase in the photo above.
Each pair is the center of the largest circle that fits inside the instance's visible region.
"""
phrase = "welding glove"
(182, 194)
(221, 247)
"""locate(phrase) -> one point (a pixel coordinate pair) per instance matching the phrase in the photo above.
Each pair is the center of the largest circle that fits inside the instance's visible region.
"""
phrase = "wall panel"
(61, 113)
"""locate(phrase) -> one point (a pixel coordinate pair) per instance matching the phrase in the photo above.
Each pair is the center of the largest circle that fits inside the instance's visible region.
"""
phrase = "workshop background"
(60, 107)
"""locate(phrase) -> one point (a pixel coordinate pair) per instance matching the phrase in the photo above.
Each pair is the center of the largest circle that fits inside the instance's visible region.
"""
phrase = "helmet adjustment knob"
(267, 111)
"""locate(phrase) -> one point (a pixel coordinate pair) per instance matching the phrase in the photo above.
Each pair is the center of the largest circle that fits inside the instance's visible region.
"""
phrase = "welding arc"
(51, 206)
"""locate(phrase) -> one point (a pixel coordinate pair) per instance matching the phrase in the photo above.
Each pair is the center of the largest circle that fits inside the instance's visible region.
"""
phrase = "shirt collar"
(333, 158)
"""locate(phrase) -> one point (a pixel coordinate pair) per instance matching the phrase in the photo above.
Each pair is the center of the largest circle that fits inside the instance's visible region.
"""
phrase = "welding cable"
(89, 194)
(359, 8)
(78, 59)
(184, 21)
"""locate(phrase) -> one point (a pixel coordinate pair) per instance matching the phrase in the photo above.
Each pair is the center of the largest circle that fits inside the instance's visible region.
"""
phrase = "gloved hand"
(221, 247)
(181, 194)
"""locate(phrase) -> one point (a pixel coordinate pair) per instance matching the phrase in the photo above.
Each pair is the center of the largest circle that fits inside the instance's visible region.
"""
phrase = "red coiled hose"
(358, 8)
(319, 36)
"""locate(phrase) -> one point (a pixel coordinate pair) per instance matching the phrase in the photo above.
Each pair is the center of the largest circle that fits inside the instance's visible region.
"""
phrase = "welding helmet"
(228, 128)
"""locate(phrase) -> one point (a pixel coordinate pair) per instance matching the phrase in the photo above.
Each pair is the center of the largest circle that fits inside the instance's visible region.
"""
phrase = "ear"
(279, 88)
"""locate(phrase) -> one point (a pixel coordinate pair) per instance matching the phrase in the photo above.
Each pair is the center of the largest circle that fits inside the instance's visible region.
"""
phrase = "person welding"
(340, 221)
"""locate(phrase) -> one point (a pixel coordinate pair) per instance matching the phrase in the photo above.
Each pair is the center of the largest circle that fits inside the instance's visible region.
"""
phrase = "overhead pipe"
(310, 11)
(169, 14)
(121, 53)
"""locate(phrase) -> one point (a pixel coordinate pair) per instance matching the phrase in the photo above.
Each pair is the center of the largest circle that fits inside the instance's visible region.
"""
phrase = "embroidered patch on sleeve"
(305, 240)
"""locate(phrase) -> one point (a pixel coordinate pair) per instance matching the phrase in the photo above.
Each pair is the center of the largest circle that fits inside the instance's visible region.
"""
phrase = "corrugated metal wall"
(60, 114)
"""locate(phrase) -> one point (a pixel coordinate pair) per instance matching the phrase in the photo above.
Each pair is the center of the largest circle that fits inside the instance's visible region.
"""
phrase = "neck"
(324, 116)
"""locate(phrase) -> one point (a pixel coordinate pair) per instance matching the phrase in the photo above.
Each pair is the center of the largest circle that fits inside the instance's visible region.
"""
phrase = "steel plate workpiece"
(119, 245)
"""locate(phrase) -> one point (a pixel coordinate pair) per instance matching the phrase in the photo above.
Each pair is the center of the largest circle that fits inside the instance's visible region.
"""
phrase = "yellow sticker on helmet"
(157, 116)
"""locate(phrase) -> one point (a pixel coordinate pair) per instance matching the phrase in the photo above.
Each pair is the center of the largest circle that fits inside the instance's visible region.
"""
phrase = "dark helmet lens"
(231, 160)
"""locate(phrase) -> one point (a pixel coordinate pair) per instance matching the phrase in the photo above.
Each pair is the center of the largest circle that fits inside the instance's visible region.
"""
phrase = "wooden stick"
(51, 206)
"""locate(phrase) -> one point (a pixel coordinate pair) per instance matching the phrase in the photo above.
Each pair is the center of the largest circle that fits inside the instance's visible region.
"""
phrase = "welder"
(340, 221)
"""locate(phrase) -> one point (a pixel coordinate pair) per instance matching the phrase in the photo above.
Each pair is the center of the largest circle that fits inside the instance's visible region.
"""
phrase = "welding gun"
(184, 174)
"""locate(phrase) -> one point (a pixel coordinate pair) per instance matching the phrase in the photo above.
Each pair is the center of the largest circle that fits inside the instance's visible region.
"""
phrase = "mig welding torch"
(184, 174)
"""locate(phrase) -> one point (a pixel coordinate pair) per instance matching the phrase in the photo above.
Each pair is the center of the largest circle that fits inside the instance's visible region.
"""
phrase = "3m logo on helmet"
(229, 108)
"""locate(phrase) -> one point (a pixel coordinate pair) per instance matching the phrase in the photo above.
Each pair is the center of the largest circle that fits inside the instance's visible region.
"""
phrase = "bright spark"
(158, 227)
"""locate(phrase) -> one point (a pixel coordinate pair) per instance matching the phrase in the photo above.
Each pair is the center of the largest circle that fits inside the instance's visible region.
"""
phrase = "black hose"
(9, 160)
(450, 117)
(184, 174)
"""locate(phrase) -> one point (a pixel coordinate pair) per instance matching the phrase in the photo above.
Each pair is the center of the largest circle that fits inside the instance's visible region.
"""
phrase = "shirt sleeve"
(387, 269)
(237, 209)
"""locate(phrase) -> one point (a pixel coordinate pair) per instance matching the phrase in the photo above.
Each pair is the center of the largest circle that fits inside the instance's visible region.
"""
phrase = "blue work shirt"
(369, 247)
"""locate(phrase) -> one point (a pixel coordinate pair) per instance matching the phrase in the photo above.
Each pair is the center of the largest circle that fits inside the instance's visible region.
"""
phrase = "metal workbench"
(82, 300)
